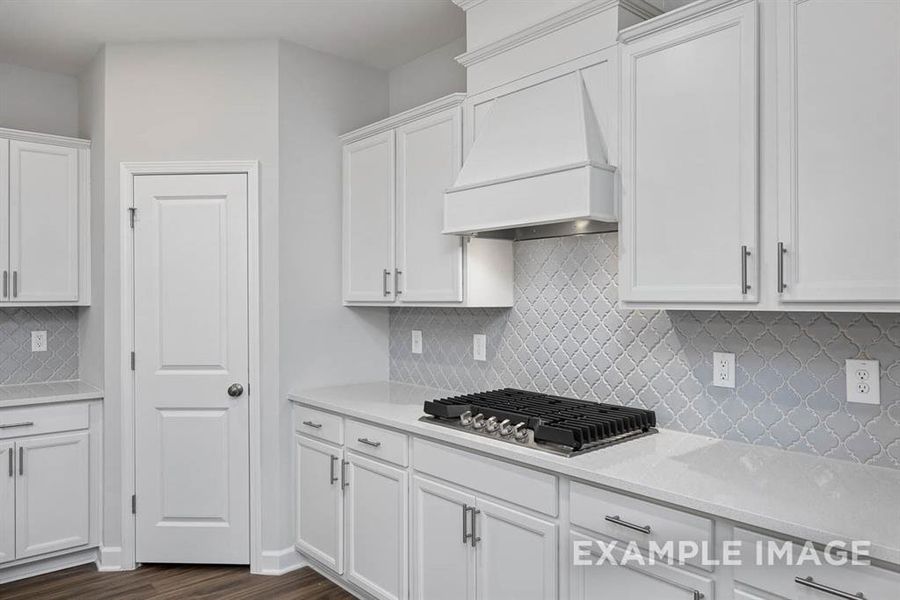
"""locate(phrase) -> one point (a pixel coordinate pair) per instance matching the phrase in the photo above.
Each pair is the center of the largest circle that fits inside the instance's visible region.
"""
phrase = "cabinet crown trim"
(467, 4)
(413, 114)
(679, 16)
(43, 138)
(555, 23)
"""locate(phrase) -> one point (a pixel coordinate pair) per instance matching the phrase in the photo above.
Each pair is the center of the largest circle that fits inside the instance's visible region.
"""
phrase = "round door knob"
(235, 390)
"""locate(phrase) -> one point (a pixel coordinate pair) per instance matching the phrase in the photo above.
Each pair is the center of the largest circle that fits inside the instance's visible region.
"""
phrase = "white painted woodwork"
(429, 154)
(376, 523)
(516, 555)
(47, 418)
(43, 222)
(320, 520)
(443, 562)
(369, 219)
(5, 290)
(53, 498)
(659, 582)
(515, 484)
(839, 150)
(8, 466)
(689, 160)
(319, 424)
(385, 444)
(191, 344)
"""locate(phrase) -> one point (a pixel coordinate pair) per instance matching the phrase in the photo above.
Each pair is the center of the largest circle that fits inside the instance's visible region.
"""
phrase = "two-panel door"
(43, 243)
(689, 162)
(320, 523)
(839, 151)
(7, 502)
(369, 219)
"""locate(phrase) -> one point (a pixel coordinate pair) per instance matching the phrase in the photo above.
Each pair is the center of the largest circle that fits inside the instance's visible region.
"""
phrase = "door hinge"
(132, 361)
(133, 504)
(131, 212)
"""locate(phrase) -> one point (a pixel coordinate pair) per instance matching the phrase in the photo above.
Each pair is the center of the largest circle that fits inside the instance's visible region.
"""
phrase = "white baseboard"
(109, 558)
(279, 562)
(47, 565)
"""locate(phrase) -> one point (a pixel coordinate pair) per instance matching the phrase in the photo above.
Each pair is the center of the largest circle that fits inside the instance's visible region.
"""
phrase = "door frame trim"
(127, 173)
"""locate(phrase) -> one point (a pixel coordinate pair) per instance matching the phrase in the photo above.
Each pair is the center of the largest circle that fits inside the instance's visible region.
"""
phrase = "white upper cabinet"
(839, 151)
(44, 220)
(395, 175)
(689, 160)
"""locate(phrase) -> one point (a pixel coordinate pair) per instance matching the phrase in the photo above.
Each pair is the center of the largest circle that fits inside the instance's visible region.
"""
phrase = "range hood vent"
(538, 168)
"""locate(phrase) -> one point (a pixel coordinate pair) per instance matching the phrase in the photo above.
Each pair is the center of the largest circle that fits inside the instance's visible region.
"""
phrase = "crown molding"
(555, 23)
(43, 138)
(467, 4)
(399, 119)
(685, 14)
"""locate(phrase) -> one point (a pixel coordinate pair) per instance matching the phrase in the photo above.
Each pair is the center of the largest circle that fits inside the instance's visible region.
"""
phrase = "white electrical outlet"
(723, 369)
(479, 346)
(863, 381)
(416, 341)
(38, 341)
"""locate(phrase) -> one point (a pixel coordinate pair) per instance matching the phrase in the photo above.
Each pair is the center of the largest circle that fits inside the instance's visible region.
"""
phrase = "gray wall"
(565, 336)
(428, 77)
(38, 101)
(18, 364)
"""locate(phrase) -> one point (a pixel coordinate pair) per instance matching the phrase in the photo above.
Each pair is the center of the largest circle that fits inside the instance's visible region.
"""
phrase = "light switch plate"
(479, 346)
(38, 341)
(416, 341)
(863, 381)
(723, 369)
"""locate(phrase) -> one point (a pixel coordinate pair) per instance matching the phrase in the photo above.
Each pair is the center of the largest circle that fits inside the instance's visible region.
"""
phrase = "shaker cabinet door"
(320, 522)
(7, 502)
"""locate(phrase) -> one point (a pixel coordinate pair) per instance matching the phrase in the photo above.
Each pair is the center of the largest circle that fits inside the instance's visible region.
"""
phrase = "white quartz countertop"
(46, 393)
(799, 495)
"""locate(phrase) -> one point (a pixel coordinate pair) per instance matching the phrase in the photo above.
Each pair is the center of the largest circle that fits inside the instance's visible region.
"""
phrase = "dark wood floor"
(173, 581)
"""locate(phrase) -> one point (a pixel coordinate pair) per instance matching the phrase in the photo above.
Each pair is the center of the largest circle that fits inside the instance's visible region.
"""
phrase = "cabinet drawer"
(779, 578)
(515, 484)
(619, 517)
(385, 444)
(319, 424)
(36, 420)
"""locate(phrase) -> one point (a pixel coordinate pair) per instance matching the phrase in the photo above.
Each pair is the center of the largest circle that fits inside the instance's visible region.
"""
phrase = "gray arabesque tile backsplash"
(18, 364)
(565, 336)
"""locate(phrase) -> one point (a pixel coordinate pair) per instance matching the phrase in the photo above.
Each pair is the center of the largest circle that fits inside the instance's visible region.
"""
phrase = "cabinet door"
(376, 514)
(429, 155)
(52, 494)
(320, 522)
(839, 150)
(369, 219)
(517, 554)
(7, 502)
(4, 220)
(43, 218)
(443, 558)
(689, 162)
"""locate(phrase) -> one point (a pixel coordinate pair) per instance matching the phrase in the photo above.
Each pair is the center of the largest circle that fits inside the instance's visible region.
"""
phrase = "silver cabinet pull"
(384, 282)
(368, 442)
(695, 594)
(333, 476)
(344, 482)
(472, 536)
(5, 284)
(745, 287)
(13, 425)
(811, 583)
(313, 425)
(11, 461)
(397, 274)
(15, 284)
(465, 514)
(618, 521)
(21, 460)
(781, 252)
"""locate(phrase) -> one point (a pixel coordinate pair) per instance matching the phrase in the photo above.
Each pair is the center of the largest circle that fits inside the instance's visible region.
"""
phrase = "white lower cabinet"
(319, 501)
(7, 502)
(376, 510)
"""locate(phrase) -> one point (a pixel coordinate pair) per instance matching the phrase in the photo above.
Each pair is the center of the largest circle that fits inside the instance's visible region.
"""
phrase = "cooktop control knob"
(521, 432)
(491, 425)
(465, 419)
(478, 421)
(504, 427)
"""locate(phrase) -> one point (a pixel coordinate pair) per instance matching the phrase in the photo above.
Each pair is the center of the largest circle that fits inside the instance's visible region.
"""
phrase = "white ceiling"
(63, 35)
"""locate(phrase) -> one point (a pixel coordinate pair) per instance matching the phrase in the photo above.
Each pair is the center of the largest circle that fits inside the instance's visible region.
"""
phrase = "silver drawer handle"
(617, 521)
(368, 442)
(811, 583)
(11, 425)
(695, 594)
(313, 425)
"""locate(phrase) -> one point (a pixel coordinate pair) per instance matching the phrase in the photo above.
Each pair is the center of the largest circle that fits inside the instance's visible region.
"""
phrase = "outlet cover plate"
(479, 346)
(723, 369)
(863, 381)
(38, 341)
(416, 341)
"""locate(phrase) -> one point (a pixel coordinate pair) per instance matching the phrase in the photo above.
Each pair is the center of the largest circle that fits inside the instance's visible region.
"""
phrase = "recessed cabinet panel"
(8, 466)
(839, 150)
(689, 161)
(43, 218)
(320, 523)
(369, 219)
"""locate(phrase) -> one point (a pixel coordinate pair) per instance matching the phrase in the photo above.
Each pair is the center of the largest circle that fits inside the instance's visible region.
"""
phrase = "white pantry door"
(191, 354)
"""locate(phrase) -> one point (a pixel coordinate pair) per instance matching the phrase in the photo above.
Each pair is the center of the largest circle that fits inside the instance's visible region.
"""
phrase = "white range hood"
(537, 169)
